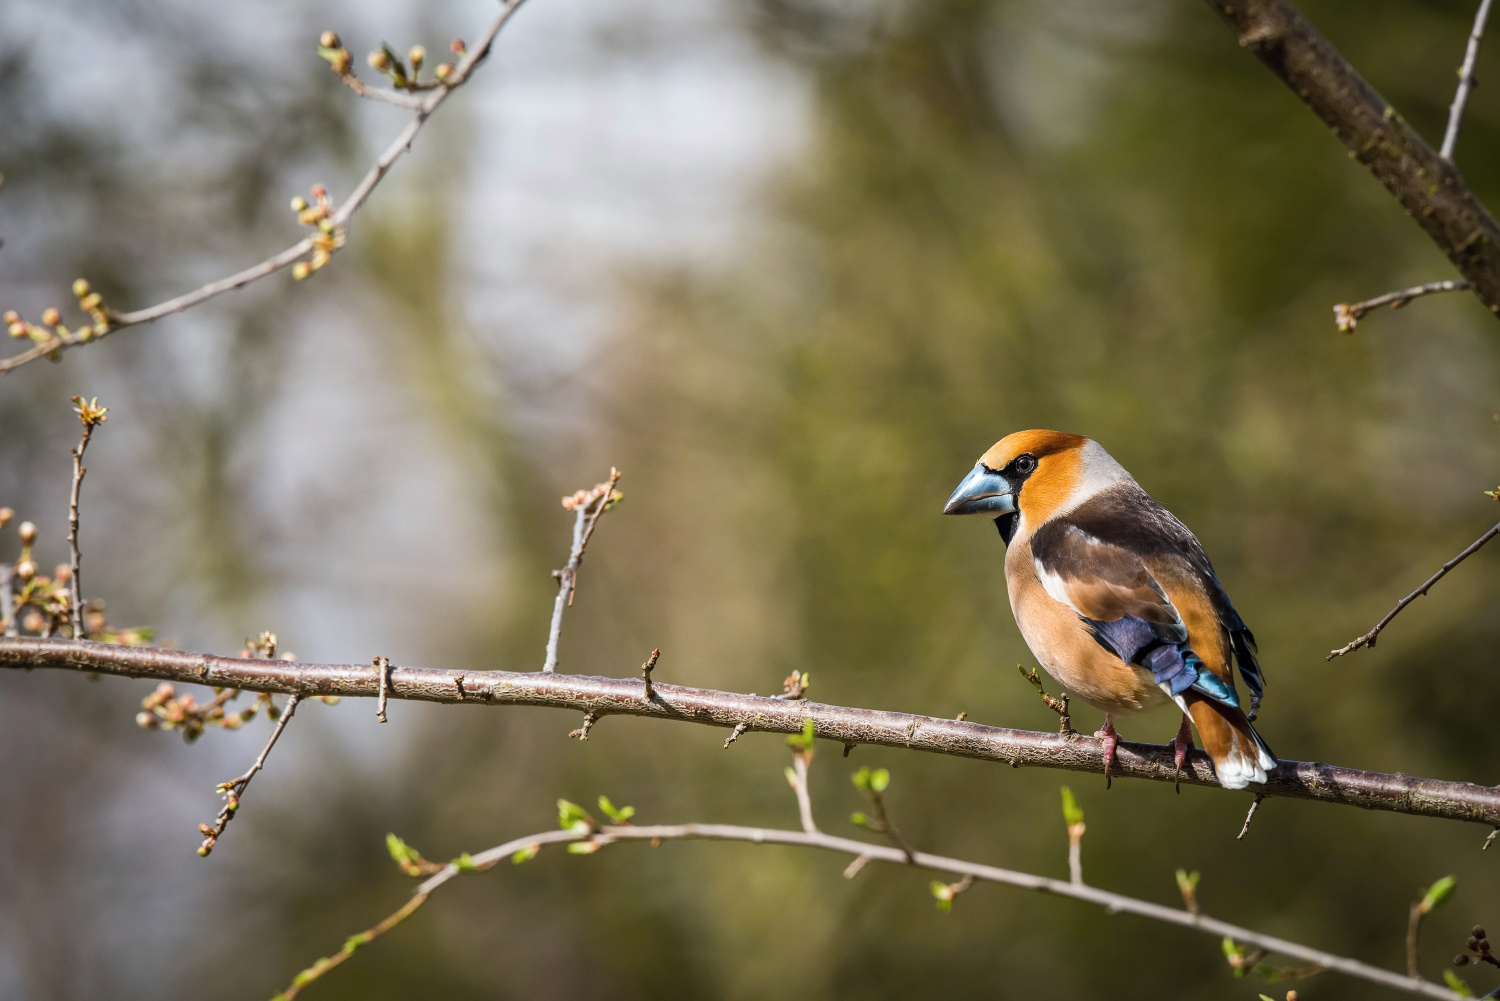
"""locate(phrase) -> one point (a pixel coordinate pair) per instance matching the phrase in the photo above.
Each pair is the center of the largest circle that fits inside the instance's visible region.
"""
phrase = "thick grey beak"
(982, 492)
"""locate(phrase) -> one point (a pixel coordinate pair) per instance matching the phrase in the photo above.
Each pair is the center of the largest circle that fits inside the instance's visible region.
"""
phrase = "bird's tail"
(1240, 755)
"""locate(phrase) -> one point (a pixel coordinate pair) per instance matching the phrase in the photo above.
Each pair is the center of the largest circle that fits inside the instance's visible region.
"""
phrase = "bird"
(1116, 598)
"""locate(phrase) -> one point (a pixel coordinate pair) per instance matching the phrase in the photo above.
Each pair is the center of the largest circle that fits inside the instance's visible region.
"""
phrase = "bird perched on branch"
(1115, 596)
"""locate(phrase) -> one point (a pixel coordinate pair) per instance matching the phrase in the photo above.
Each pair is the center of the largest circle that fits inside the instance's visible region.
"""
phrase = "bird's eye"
(1025, 464)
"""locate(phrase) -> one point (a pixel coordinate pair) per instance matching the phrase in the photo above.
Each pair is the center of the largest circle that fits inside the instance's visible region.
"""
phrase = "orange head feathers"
(1034, 475)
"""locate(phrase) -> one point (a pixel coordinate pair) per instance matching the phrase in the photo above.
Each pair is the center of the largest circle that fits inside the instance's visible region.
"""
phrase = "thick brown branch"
(401, 145)
(846, 725)
(1430, 189)
(1368, 639)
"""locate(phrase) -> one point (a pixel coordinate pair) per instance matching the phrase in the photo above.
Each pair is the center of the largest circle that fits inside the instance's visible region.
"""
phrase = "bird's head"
(1031, 475)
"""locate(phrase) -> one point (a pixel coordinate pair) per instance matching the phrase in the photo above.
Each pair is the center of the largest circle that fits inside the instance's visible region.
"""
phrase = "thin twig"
(1368, 639)
(804, 798)
(582, 733)
(1113, 903)
(383, 668)
(742, 726)
(587, 506)
(235, 788)
(647, 667)
(7, 601)
(1406, 794)
(1245, 828)
(1490, 840)
(423, 110)
(1466, 82)
(1346, 315)
(75, 587)
(1413, 931)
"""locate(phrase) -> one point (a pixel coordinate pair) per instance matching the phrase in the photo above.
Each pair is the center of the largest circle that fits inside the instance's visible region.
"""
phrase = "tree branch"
(424, 107)
(1430, 188)
(626, 696)
(587, 507)
(1113, 903)
(1346, 315)
(1466, 82)
(1368, 639)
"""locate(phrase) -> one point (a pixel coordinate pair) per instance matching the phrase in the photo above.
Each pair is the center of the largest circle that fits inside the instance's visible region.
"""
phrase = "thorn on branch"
(1490, 840)
(1057, 705)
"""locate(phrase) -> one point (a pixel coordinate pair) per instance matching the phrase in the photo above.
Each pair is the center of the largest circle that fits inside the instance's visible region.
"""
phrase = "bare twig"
(646, 669)
(1429, 187)
(423, 108)
(1490, 840)
(1466, 82)
(742, 726)
(234, 788)
(1346, 315)
(1368, 639)
(797, 778)
(8, 625)
(587, 506)
(582, 733)
(1405, 794)
(1057, 705)
(91, 415)
(1249, 815)
(1114, 903)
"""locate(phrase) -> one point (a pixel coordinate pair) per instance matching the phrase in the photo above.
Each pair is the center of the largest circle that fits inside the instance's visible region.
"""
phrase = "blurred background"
(791, 265)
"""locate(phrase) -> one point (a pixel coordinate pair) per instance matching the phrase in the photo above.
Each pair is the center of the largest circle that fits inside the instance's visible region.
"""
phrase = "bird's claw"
(1111, 742)
(1181, 744)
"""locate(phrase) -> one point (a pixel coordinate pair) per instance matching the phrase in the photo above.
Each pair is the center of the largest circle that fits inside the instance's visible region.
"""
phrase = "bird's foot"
(1181, 744)
(1111, 741)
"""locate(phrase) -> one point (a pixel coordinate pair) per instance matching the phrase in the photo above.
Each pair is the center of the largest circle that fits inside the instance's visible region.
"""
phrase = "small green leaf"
(1437, 893)
(1072, 812)
(879, 779)
(1265, 998)
(861, 779)
(1231, 949)
(802, 741)
(571, 816)
(584, 847)
(465, 863)
(402, 853)
(525, 854)
(619, 816)
(355, 941)
(1457, 985)
(944, 894)
(859, 819)
(1187, 882)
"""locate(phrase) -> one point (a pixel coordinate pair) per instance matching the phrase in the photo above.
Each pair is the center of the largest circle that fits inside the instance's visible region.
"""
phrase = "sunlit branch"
(423, 108)
(728, 710)
(1114, 903)
(1346, 315)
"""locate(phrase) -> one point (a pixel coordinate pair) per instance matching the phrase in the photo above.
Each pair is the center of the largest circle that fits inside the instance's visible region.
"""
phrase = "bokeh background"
(791, 265)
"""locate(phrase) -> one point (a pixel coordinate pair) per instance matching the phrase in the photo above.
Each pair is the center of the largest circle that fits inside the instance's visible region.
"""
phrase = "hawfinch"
(1116, 597)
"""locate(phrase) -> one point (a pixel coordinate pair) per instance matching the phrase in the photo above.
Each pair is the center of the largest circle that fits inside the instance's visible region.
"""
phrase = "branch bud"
(416, 54)
(299, 204)
(28, 533)
(300, 270)
(330, 40)
(80, 288)
(6, 514)
(51, 317)
(443, 71)
(378, 61)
